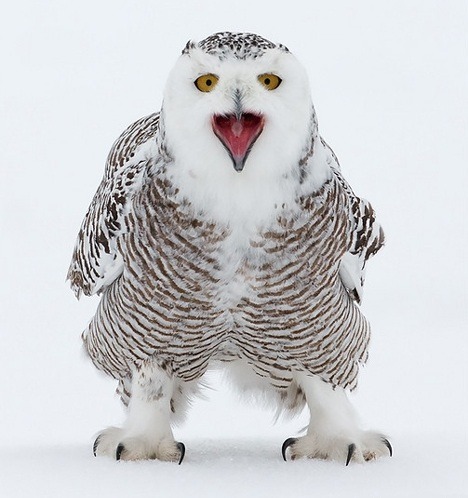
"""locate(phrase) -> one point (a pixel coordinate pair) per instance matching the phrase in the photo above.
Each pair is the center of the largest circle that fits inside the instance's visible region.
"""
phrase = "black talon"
(351, 450)
(290, 441)
(118, 451)
(181, 448)
(96, 444)
(386, 442)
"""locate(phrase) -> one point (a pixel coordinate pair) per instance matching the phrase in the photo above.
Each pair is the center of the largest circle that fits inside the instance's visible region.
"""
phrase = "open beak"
(238, 133)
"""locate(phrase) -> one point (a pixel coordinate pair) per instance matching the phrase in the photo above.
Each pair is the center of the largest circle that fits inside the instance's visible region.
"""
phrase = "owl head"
(236, 103)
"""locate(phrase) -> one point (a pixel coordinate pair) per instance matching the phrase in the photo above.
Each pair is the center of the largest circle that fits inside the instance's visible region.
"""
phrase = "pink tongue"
(238, 134)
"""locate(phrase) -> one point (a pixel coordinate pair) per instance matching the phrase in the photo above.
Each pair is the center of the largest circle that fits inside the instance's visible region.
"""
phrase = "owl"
(223, 235)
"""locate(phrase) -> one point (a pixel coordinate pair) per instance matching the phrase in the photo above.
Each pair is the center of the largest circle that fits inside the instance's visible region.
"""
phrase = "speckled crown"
(238, 45)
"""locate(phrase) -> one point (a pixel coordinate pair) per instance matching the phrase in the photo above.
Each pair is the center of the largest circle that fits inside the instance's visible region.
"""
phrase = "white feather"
(351, 273)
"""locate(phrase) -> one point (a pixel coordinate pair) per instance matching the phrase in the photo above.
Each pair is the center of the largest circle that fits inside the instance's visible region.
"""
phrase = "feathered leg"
(147, 432)
(333, 431)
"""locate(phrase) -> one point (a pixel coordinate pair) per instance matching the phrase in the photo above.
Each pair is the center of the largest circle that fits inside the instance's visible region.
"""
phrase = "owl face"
(235, 104)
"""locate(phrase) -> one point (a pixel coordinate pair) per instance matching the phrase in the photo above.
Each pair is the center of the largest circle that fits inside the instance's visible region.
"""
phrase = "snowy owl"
(223, 234)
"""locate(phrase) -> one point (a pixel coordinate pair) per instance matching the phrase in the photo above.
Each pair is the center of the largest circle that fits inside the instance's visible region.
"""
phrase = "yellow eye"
(206, 82)
(270, 81)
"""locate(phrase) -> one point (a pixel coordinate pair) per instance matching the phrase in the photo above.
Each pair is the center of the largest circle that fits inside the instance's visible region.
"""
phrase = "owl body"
(223, 231)
(195, 285)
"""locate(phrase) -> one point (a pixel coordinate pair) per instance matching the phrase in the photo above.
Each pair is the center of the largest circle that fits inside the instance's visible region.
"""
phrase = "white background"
(389, 82)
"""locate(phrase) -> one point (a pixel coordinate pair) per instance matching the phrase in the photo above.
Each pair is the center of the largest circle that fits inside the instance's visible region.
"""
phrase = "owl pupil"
(267, 81)
(209, 82)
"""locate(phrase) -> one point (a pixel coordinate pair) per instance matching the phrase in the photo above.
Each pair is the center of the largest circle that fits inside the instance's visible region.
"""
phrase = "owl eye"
(270, 81)
(206, 82)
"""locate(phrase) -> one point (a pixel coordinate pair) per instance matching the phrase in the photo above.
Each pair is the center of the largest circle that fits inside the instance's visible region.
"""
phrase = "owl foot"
(333, 432)
(113, 442)
(360, 448)
(146, 433)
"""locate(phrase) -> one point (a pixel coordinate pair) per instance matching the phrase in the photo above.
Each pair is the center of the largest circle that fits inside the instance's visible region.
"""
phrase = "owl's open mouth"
(238, 134)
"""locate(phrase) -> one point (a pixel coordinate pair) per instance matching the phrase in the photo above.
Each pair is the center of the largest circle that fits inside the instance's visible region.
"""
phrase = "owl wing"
(96, 261)
(366, 235)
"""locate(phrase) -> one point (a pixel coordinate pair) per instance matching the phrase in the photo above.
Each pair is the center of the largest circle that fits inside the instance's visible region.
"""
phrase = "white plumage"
(223, 230)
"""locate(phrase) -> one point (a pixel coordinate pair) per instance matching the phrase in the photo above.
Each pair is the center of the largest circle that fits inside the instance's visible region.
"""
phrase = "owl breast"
(196, 290)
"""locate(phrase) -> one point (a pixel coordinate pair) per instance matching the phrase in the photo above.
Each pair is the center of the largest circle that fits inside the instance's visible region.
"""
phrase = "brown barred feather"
(167, 298)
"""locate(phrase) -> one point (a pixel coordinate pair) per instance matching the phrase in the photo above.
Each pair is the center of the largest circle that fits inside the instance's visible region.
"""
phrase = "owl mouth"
(238, 133)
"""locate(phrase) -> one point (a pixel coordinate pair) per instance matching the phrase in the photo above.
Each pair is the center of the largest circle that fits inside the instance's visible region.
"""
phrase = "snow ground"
(237, 467)
(389, 82)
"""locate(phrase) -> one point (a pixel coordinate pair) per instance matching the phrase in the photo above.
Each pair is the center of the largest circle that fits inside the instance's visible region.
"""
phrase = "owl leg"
(333, 432)
(147, 432)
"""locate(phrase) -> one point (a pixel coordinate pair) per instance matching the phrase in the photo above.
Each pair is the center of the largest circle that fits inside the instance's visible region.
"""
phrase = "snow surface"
(389, 82)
